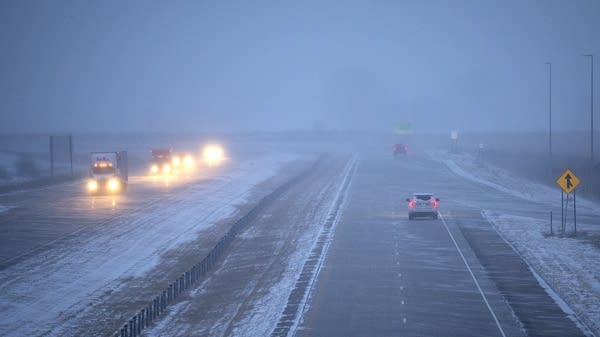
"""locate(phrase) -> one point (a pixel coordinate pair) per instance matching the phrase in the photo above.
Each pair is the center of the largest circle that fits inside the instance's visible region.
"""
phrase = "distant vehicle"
(399, 149)
(183, 162)
(161, 161)
(213, 154)
(108, 172)
(423, 205)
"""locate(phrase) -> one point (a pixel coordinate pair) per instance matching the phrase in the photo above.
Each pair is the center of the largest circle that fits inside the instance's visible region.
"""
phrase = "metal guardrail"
(158, 305)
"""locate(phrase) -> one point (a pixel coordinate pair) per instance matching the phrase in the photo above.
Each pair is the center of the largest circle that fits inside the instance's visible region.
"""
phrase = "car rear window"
(424, 197)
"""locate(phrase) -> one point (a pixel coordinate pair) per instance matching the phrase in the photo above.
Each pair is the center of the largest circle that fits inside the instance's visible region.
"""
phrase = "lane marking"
(473, 277)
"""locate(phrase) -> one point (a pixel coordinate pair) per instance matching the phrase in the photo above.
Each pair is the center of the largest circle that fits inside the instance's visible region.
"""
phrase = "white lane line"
(473, 276)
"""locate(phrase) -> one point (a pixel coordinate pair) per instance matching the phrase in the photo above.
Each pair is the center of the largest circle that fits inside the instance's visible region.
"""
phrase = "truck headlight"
(213, 154)
(92, 185)
(166, 168)
(113, 185)
(154, 169)
(188, 161)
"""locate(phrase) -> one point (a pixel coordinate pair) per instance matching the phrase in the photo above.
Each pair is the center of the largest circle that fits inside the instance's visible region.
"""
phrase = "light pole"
(550, 109)
(591, 56)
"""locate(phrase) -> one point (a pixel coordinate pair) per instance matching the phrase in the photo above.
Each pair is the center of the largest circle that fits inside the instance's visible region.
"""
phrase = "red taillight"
(412, 204)
(434, 203)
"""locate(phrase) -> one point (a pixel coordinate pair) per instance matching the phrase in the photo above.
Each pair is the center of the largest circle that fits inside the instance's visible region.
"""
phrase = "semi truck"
(161, 161)
(108, 172)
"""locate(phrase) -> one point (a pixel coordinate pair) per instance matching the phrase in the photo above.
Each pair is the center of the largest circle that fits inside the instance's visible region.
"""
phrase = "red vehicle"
(399, 149)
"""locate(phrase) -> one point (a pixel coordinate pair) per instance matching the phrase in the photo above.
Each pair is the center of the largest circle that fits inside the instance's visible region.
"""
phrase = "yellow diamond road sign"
(568, 181)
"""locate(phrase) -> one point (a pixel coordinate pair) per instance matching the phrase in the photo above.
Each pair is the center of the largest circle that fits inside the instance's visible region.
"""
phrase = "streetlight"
(591, 56)
(550, 109)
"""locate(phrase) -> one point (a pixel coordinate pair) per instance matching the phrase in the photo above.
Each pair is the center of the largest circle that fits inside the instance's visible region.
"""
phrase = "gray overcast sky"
(277, 65)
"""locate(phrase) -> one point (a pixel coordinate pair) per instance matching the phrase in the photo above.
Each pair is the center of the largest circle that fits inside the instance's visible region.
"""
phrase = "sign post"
(575, 211)
(568, 182)
(454, 141)
(562, 209)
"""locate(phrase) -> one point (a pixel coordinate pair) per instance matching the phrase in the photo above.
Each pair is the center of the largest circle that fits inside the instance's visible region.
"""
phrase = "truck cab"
(161, 161)
(108, 172)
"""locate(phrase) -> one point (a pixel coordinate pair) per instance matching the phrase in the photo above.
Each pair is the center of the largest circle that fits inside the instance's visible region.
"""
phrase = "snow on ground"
(269, 309)
(4, 208)
(39, 295)
(467, 167)
(568, 265)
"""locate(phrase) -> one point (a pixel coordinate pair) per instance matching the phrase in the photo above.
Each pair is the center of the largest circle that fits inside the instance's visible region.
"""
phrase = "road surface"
(388, 276)
(335, 255)
(73, 263)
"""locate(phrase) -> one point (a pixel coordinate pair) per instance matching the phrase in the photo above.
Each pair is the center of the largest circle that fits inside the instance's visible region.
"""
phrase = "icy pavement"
(46, 294)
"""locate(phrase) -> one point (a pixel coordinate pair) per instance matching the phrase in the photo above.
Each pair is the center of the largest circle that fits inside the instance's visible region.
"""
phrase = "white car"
(423, 205)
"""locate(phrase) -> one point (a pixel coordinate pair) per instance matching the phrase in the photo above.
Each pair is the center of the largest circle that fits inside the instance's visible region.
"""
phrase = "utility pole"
(550, 109)
(591, 56)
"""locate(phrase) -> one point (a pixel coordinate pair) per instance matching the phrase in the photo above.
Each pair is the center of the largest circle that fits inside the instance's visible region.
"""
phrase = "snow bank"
(467, 167)
(569, 266)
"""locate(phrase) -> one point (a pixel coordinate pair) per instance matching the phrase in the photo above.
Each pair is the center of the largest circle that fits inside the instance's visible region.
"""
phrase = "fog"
(79, 66)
